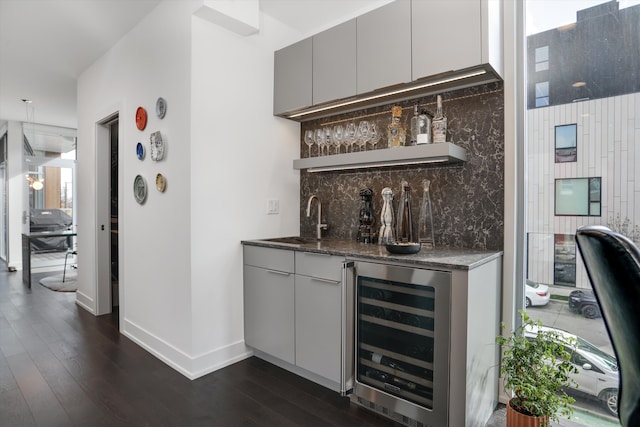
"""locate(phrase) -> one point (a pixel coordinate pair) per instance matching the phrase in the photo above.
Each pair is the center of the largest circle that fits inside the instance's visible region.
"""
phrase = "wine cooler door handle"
(331, 282)
(347, 356)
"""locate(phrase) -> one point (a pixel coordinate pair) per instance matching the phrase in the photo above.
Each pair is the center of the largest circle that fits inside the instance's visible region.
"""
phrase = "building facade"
(583, 137)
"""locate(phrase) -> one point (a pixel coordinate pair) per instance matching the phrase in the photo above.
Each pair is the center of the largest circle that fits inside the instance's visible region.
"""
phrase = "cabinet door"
(384, 46)
(446, 36)
(292, 78)
(334, 63)
(269, 319)
(318, 326)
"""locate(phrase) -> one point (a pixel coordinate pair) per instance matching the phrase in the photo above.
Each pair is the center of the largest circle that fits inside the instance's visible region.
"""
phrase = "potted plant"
(536, 366)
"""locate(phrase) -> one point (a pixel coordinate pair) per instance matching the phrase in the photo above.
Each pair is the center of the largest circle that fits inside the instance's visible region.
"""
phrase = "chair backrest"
(613, 265)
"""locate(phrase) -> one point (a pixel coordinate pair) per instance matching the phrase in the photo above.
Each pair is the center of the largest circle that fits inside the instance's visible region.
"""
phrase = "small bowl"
(404, 248)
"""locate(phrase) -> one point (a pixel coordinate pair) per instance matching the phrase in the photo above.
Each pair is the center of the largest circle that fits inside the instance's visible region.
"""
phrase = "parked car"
(597, 375)
(535, 293)
(584, 301)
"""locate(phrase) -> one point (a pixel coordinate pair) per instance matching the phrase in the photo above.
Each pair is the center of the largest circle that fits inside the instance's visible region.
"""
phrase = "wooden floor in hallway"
(61, 366)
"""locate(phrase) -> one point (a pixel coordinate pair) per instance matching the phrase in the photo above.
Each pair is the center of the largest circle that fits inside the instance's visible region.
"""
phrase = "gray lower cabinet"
(269, 316)
(318, 307)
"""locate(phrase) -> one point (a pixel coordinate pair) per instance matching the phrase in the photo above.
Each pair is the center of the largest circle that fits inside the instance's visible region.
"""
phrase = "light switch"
(273, 207)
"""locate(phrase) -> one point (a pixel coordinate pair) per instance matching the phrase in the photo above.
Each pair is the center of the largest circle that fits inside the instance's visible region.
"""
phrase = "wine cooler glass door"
(402, 339)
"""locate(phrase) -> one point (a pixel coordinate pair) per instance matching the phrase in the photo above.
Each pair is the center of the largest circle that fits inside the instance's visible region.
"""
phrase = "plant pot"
(517, 419)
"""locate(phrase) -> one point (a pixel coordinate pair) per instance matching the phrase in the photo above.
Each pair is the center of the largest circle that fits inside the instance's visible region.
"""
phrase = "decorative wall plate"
(140, 151)
(139, 189)
(157, 146)
(141, 118)
(161, 108)
(161, 183)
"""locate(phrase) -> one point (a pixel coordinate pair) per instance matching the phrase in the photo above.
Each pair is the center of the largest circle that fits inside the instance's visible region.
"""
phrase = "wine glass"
(374, 135)
(364, 134)
(338, 137)
(350, 134)
(320, 140)
(328, 138)
(309, 139)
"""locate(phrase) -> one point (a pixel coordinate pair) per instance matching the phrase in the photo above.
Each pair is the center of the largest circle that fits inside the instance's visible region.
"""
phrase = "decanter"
(366, 219)
(386, 235)
(396, 132)
(425, 222)
(404, 233)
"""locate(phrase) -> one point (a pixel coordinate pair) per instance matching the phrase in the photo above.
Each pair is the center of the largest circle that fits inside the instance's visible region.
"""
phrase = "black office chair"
(613, 265)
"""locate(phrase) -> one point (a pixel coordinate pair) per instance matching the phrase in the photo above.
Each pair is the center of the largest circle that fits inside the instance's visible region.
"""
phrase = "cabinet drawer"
(272, 259)
(319, 265)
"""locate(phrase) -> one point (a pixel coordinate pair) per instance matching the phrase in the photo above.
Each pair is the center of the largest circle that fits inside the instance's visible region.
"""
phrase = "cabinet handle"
(280, 273)
(316, 254)
(332, 282)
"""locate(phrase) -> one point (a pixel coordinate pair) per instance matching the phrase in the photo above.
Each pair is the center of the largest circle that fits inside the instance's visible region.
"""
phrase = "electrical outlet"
(273, 207)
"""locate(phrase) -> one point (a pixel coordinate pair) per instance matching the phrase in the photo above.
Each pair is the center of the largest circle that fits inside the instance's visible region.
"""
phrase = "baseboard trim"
(189, 366)
(85, 302)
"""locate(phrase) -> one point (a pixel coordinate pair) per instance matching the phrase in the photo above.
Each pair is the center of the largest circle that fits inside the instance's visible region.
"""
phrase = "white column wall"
(15, 194)
(241, 157)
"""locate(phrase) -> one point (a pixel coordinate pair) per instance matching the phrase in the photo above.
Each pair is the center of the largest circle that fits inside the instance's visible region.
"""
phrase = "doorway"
(107, 235)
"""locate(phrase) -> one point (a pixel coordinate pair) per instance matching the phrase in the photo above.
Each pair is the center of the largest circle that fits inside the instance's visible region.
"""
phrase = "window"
(578, 196)
(564, 260)
(542, 94)
(566, 141)
(542, 58)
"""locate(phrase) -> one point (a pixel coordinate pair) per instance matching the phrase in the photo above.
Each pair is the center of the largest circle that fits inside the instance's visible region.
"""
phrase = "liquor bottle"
(424, 127)
(414, 126)
(404, 232)
(396, 132)
(425, 222)
(439, 124)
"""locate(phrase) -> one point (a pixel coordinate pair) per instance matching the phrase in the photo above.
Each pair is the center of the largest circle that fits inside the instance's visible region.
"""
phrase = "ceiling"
(46, 44)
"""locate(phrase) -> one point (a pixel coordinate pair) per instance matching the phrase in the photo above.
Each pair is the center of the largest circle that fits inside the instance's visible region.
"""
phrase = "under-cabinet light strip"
(391, 93)
(374, 165)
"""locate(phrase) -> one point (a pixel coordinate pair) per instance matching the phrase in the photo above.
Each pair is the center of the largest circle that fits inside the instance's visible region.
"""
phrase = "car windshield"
(534, 285)
(604, 358)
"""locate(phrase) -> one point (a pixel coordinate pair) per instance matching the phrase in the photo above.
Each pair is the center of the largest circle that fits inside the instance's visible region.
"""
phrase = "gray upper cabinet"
(384, 46)
(334, 63)
(453, 35)
(293, 71)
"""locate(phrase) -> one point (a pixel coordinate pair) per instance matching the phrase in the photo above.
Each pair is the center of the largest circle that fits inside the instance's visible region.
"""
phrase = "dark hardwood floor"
(61, 366)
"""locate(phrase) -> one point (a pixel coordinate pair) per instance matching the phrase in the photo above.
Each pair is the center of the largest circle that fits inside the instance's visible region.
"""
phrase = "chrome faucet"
(320, 226)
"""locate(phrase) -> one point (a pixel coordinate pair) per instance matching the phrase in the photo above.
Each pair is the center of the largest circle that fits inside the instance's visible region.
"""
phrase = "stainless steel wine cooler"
(402, 343)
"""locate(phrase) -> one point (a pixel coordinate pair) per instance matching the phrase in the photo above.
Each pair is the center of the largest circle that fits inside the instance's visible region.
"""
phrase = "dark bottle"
(366, 232)
(384, 360)
(404, 233)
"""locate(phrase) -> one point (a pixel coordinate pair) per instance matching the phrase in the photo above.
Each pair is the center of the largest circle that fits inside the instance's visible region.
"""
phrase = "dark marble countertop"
(450, 259)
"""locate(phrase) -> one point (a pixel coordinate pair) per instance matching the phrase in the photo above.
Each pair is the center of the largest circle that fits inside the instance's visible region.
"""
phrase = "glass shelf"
(445, 153)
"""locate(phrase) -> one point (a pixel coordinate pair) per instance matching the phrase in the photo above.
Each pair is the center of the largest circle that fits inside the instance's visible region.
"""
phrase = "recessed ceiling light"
(579, 84)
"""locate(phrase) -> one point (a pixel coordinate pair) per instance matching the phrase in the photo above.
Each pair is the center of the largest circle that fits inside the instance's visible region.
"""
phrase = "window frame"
(591, 200)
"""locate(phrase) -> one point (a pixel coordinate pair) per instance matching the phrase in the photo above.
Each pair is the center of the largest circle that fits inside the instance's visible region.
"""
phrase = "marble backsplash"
(467, 199)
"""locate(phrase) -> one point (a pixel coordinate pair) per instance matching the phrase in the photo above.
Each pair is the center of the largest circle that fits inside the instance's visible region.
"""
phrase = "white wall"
(152, 60)
(180, 253)
(241, 156)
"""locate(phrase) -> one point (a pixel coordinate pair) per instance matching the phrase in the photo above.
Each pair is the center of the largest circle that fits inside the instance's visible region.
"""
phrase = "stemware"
(350, 134)
(320, 140)
(374, 135)
(328, 138)
(309, 139)
(364, 134)
(338, 137)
